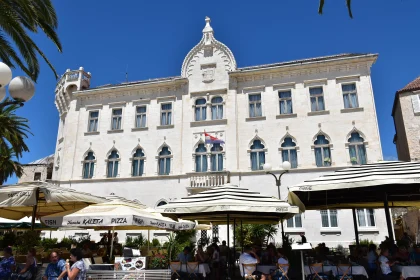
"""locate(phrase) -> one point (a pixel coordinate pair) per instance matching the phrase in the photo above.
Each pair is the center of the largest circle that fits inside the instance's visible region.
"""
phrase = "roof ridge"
(411, 86)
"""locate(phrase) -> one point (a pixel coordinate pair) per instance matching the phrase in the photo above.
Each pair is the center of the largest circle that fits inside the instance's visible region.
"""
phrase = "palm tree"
(348, 4)
(13, 131)
(9, 166)
(17, 18)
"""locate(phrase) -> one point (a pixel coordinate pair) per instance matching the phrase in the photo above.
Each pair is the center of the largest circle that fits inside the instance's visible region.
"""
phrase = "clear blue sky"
(153, 37)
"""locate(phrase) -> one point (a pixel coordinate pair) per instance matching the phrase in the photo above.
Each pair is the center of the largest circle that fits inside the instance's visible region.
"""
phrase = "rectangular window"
(166, 114)
(295, 222)
(317, 99)
(329, 218)
(116, 119)
(93, 121)
(140, 116)
(255, 109)
(285, 100)
(366, 217)
(350, 96)
(37, 176)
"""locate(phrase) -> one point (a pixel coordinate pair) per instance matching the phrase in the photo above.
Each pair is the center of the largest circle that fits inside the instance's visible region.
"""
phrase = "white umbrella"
(118, 213)
(39, 199)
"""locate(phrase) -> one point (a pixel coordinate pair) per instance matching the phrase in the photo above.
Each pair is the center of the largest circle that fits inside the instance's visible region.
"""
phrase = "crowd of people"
(72, 269)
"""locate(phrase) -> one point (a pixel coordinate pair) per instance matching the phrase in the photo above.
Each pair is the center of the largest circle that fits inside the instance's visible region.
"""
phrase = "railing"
(72, 76)
(209, 179)
(160, 274)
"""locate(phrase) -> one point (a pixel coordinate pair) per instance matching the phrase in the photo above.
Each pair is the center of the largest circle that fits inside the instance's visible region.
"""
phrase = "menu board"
(135, 263)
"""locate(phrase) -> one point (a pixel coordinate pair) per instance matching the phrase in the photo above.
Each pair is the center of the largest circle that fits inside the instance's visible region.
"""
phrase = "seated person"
(250, 257)
(282, 259)
(7, 264)
(402, 254)
(184, 256)
(386, 266)
(87, 253)
(56, 269)
(372, 257)
(201, 256)
(30, 266)
(415, 255)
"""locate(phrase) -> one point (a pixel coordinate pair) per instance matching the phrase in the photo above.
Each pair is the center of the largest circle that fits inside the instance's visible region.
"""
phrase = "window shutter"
(415, 99)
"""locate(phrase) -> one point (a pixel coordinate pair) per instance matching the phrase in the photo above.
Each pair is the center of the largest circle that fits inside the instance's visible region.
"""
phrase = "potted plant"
(327, 159)
(353, 160)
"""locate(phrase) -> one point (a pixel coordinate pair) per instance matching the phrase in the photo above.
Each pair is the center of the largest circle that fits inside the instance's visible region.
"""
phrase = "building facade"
(39, 170)
(406, 114)
(145, 140)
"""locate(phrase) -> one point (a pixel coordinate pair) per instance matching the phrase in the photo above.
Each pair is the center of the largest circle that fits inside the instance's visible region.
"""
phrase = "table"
(203, 268)
(355, 270)
(266, 268)
(101, 266)
(407, 271)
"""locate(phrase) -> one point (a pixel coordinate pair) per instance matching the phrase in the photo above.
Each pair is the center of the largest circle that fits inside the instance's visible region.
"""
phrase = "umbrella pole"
(228, 264)
(234, 244)
(34, 209)
(112, 244)
(282, 233)
(356, 230)
(388, 218)
(242, 238)
(148, 241)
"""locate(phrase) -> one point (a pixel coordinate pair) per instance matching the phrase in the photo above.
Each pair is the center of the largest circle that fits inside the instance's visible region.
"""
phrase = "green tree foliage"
(18, 19)
(255, 234)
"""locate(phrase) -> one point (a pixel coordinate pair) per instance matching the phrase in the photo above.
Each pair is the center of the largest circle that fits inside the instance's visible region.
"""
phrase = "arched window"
(257, 155)
(322, 151)
(357, 149)
(288, 152)
(201, 158)
(138, 163)
(88, 166)
(200, 109)
(164, 163)
(216, 158)
(162, 202)
(112, 170)
(217, 108)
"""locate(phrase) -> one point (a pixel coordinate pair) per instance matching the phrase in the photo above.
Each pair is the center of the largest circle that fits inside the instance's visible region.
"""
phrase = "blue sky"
(151, 39)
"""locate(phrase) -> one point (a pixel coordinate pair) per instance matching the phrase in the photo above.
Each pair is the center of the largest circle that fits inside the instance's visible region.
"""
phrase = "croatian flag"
(213, 140)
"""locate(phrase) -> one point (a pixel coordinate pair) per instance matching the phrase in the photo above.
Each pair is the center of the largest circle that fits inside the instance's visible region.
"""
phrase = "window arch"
(112, 166)
(257, 155)
(357, 149)
(138, 162)
(200, 109)
(217, 108)
(164, 161)
(89, 165)
(201, 158)
(216, 157)
(322, 151)
(289, 152)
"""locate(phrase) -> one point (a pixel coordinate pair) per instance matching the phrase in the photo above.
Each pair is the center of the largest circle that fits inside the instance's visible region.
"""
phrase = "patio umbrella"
(117, 213)
(227, 203)
(39, 199)
(376, 185)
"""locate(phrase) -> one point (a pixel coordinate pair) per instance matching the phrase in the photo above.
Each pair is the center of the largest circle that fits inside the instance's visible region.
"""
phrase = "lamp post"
(21, 89)
(285, 168)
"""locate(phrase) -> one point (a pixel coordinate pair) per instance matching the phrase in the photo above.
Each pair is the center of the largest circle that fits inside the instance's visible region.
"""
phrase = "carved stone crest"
(208, 75)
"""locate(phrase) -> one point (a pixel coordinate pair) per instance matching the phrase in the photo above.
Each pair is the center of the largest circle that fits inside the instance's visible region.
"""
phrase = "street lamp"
(21, 89)
(285, 168)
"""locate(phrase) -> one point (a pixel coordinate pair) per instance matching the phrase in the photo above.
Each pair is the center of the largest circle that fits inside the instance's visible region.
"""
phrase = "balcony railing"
(209, 179)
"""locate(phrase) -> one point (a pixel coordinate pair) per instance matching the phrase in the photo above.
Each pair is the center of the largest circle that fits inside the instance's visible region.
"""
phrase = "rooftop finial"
(207, 28)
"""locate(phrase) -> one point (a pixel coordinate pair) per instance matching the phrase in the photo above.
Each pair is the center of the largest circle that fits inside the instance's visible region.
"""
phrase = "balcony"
(201, 181)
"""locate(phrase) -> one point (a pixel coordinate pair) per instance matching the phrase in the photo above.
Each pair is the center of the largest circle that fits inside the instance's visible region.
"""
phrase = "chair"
(98, 260)
(248, 269)
(192, 267)
(317, 272)
(282, 269)
(343, 272)
(87, 262)
(175, 267)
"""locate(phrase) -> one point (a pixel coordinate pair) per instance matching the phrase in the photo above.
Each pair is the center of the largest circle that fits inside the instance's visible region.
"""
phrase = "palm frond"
(321, 6)
(8, 165)
(322, 2)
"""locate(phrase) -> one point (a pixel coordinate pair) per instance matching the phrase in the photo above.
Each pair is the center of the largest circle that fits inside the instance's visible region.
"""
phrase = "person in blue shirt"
(185, 255)
(56, 269)
(8, 264)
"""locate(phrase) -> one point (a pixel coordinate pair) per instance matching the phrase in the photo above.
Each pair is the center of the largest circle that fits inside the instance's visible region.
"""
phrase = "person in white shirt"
(282, 259)
(386, 266)
(250, 257)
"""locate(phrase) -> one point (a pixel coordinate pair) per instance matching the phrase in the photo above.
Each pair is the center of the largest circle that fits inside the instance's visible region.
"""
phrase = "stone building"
(39, 170)
(145, 140)
(406, 114)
